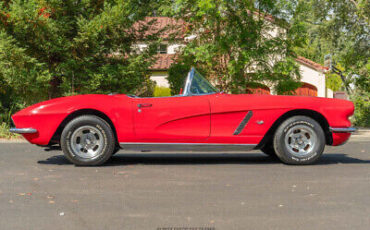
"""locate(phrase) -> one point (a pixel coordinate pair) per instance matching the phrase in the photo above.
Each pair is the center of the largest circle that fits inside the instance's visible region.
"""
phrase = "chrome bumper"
(23, 131)
(342, 130)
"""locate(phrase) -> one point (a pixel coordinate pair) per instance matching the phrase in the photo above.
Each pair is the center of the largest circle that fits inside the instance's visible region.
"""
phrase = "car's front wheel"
(87, 140)
(299, 140)
(268, 149)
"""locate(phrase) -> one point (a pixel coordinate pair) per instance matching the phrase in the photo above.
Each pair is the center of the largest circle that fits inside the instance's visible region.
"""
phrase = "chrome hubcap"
(300, 140)
(87, 142)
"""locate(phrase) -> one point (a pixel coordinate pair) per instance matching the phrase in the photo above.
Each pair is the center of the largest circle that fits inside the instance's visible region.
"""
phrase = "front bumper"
(23, 130)
(342, 130)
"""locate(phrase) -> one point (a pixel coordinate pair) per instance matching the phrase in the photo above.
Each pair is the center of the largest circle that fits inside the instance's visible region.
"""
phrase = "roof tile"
(166, 26)
(163, 61)
(311, 64)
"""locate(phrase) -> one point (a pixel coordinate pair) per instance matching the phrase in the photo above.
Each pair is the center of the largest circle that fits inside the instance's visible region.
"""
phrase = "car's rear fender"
(320, 118)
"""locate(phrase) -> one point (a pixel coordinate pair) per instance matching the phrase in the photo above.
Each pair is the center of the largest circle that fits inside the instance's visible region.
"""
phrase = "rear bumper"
(23, 130)
(341, 135)
(342, 130)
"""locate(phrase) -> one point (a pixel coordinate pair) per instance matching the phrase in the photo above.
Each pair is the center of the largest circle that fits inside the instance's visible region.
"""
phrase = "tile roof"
(163, 61)
(311, 64)
(166, 26)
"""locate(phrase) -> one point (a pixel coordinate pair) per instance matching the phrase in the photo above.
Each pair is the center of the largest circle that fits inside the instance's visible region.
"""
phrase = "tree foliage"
(361, 100)
(340, 28)
(237, 43)
(50, 48)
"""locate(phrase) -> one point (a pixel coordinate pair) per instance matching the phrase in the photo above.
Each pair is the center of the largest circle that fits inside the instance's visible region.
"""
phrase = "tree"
(340, 28)
(235, 46)
(50, 48)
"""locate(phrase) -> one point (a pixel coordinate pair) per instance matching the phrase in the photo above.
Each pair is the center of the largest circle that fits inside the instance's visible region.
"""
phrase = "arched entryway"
(306, 90)
(260, 90)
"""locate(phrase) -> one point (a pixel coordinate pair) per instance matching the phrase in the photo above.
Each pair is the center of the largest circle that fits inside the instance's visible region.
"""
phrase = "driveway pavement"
(41, 190)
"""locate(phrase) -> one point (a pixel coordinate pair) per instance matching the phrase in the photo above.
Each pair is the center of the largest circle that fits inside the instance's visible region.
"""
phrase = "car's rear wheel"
(299, 140)
(87, 140)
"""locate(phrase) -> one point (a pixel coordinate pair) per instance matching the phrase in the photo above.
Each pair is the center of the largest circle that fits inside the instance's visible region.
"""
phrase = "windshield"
(196, 84)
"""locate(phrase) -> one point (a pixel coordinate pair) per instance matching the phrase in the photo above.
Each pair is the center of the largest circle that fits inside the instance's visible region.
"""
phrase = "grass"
(4, 132)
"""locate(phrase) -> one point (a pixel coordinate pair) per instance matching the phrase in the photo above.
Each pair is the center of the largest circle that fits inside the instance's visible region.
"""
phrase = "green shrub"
(361, 117)
(147, 89)
(161, 91)
(4, 132)
(176, 76)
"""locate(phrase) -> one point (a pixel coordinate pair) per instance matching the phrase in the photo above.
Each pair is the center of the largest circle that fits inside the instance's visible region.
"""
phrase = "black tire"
(269, 150)
(293, 138)
(101, 135)
(116, 149)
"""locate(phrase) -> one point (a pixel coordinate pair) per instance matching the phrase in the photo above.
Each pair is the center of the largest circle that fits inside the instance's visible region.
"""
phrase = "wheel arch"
(55, 139)
(303, 112)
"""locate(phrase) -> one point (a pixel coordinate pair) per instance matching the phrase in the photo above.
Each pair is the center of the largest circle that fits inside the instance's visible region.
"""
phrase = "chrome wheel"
(87, 142)
(300, 140)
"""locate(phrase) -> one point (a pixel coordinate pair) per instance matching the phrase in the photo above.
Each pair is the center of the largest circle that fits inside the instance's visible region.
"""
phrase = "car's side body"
(91, 128)
(199, 119)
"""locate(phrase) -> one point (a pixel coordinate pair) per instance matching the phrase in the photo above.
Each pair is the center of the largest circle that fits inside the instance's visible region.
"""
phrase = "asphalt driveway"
(41, 190)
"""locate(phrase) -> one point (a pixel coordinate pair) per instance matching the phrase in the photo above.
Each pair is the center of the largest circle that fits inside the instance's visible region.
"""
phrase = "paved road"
(41, 190)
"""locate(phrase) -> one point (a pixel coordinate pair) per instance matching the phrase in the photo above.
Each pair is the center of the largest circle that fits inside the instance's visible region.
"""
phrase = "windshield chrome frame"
(186, 93)
(189, 81)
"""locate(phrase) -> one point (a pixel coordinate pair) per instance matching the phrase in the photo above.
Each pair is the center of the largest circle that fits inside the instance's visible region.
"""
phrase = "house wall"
(160, 77)
(329, 93)
(141, 46)
(171, 48)
(315, 78)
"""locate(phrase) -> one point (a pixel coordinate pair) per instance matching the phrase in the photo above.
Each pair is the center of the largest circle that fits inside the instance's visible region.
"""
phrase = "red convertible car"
(91, 128)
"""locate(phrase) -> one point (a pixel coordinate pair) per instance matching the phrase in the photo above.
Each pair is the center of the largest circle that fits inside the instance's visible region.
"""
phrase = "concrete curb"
(362, 131)
(17, 140)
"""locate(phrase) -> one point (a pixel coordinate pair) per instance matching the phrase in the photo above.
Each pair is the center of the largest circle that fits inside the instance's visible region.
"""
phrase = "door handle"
(144, 105)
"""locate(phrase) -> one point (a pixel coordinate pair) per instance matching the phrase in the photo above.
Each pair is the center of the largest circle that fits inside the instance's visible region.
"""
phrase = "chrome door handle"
(144, 105)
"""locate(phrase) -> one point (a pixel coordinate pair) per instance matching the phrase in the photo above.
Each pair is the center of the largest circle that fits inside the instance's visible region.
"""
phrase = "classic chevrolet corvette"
(91, 128)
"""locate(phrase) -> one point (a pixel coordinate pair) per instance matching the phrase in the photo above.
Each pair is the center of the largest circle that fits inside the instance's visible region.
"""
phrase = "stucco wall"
(313, 77)
(171, 48)
(329, 93)
(160, 78)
